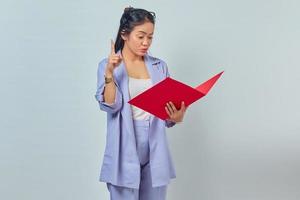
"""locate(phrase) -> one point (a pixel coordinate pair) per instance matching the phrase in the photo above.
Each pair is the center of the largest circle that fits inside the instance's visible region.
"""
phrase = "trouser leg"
(147, 192)
(122, 193)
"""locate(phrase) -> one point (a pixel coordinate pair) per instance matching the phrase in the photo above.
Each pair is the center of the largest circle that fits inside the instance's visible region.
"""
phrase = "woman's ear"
(123, 35)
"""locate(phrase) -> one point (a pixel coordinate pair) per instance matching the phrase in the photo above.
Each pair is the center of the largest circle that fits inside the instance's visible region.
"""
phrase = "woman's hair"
(131, 18)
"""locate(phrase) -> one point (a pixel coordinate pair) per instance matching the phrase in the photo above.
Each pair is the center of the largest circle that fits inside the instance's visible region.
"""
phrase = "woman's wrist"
(108, 73)
(170, 120)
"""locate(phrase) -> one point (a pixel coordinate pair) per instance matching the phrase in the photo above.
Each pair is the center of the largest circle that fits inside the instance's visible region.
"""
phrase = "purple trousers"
(146, 191)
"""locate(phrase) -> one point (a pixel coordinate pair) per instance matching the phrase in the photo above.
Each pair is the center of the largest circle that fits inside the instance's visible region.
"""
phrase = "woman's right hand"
(114, 59)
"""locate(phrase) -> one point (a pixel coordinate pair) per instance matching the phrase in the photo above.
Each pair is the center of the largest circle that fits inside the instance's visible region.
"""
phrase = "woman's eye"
(141, 37)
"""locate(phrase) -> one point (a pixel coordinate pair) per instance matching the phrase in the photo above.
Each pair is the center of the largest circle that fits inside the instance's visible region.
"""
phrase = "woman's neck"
(130, 56)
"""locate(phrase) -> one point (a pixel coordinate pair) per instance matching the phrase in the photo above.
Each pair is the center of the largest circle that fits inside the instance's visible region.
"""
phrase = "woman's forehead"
(145, 28)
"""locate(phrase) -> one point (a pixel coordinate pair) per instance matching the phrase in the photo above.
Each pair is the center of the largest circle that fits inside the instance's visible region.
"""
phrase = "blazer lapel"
(121, 74)
(153, 75)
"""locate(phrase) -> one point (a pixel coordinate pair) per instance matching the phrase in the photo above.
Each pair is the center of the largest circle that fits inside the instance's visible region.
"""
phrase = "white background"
(240, 142)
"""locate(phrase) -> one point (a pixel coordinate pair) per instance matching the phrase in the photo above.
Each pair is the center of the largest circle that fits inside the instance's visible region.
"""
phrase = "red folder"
(155, 98)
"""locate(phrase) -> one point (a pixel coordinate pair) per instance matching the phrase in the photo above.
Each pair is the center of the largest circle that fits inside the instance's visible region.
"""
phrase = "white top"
(137, 86)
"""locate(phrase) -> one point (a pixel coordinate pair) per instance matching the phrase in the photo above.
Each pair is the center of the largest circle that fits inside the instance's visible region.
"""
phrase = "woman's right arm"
(110, 89)
(108, 95)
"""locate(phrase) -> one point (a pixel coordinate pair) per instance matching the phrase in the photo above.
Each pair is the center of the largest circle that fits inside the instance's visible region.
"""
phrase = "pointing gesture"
(113, 59)
(112, 47)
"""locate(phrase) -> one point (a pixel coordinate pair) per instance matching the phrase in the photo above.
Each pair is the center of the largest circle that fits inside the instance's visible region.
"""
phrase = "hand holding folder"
(155, 98)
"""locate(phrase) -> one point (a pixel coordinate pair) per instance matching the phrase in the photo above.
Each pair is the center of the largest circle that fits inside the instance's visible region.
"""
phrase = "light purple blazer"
(121, 164)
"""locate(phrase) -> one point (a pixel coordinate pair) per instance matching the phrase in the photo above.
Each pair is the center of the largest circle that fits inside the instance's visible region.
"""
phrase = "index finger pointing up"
(112, 47)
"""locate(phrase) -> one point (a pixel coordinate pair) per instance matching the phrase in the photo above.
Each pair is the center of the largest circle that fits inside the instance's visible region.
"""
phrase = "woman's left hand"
(174, 114)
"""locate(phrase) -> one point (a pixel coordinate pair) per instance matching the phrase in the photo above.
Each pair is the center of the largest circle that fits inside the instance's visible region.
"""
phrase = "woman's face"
(140, 38)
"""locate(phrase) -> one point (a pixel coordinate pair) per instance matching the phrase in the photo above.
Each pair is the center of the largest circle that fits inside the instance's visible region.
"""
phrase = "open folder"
(155, 98)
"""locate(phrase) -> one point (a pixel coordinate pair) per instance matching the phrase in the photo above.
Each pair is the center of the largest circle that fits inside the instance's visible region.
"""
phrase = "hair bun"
(127, 9)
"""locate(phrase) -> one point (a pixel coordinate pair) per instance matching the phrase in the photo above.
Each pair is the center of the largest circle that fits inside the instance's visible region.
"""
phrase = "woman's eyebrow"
(145, 32)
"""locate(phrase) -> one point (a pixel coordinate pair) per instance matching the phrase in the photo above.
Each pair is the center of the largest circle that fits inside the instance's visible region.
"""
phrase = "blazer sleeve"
(168, 123)
(107, 107)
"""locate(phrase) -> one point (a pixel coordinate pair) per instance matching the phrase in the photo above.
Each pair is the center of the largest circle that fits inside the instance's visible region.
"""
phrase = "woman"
(137, 163)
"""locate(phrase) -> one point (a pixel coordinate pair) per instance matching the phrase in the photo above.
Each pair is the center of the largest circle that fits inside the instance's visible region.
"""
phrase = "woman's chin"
(142, 53)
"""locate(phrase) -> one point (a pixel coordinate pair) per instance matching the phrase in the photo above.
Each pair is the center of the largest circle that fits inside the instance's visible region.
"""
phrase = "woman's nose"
(146, 42)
